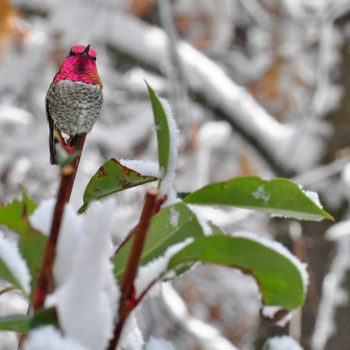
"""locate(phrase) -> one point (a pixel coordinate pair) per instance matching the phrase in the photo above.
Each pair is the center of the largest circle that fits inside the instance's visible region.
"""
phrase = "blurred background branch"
(259, 87)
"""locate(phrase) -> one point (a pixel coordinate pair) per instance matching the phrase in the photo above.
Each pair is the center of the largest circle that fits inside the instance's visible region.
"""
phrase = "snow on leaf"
(49, 338)
(279, 197)
(171, 198)
(154, 269)
(143, 167)
(10, 257)
(314, 197)
(169, 176)
(207, 229)
(167, 137)
(110, 178)
(279, 279)
(86, 301)
(261, 194)
(174, 216)
(161, 234)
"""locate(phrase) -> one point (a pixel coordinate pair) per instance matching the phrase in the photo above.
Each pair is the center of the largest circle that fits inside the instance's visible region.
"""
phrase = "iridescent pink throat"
(78, 68)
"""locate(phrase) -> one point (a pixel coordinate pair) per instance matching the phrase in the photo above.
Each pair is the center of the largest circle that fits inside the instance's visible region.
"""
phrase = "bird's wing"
(52, 140)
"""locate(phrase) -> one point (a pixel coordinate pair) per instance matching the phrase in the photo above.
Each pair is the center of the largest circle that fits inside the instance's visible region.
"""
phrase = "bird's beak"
(86, 51)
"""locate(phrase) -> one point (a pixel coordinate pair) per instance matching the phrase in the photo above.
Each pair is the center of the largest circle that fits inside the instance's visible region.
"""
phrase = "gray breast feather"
(74, 106)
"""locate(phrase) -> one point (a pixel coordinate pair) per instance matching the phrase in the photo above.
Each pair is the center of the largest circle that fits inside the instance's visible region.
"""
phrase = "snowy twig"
(7, 289)
(68, 173)
(175, 71)
(211, 84)
(22, 336)
(207, 336)
(322, 173)
(127, 302)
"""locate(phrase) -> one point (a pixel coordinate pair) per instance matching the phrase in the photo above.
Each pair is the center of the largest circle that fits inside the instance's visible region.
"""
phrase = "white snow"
(171, 198)
(169, 176)
(153, 270)
(159, 344)
(270, 311)
(42, 217)
(12, 259)
(260, 193)
(280, 249)
(206, 335)
(314, 197)
(8, 340)
(198, 211)
(49, 338)
(208, 79)
(131, 338)
(212, 136)
(86, 299)
(145, 168)
(70, 234)
(283, 342)
(174, 217)
(338, 230)
(13, 115)
(335, 295)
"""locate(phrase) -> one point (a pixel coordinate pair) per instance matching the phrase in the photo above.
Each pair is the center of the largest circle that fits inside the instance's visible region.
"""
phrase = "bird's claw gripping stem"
(67, 146)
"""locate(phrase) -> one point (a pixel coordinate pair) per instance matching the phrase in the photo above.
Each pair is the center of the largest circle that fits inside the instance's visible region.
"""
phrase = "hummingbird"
(74, 99)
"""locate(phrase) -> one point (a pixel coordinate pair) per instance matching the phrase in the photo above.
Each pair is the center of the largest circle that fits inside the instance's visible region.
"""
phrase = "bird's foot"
(66, 145)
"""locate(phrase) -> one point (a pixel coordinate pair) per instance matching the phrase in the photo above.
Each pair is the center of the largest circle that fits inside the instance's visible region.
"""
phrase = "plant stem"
(157, 206)
(7, 289)
(68, 173)
(126, 303)
(22, 336)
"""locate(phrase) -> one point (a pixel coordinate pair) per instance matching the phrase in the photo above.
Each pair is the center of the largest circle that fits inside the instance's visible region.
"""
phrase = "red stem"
(68, 173)
(127, 302)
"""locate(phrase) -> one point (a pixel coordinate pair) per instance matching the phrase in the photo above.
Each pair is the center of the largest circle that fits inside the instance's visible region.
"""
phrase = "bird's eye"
(71, 53)
(94, 58)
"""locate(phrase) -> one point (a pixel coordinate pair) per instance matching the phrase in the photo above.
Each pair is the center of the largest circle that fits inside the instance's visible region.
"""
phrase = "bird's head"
(79, 65)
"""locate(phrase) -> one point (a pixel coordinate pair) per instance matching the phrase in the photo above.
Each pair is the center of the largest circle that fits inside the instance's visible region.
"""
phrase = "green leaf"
(44, 317)
(280, 197)
(32, 247)
(162, 128)
(110, 178)
(15, 216)
(63, 158)
(162, 233)
(7, 275)
(279, 280)
(16, 323)
(25, 323)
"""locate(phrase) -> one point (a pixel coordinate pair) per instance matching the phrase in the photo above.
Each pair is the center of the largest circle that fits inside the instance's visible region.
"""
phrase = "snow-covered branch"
(209, 81)
(207, 336)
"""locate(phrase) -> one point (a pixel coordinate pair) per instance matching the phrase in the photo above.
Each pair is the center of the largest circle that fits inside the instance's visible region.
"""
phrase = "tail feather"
(52, 140)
